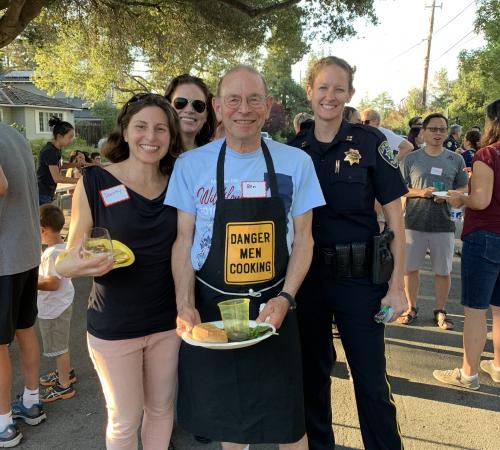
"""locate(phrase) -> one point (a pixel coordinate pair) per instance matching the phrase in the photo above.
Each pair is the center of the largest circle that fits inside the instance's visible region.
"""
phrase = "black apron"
(253, 394)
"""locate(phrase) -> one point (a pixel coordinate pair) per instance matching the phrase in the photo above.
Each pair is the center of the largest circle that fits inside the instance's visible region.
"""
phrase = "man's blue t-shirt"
(192, 187)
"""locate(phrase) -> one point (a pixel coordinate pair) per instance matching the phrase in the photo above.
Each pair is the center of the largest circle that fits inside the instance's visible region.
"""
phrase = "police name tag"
(115, 194)
(253, 189)
(437, 171)
(249, 252)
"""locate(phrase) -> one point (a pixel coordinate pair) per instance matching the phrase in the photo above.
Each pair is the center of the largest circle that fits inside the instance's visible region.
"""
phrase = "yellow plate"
(122, 255)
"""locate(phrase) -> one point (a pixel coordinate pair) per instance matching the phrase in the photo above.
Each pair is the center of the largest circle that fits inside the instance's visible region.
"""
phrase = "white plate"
(188, 338)
(444, 194)
(441, 194)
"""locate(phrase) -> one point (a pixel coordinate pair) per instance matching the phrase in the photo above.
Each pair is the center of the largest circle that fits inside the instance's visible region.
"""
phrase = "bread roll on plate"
(208, 332)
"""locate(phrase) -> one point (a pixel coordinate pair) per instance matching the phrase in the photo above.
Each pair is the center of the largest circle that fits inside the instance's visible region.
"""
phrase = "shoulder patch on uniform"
(387, 154)
(449, 144)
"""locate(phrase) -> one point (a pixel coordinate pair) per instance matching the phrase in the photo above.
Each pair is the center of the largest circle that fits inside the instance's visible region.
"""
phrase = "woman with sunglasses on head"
(192, 100)
(131, 315)
(480, 259)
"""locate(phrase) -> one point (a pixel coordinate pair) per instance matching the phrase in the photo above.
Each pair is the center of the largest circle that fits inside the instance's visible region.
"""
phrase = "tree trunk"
(18, 14)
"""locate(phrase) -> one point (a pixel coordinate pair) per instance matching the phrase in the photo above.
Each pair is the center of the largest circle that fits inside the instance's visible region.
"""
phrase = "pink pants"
(139, 380)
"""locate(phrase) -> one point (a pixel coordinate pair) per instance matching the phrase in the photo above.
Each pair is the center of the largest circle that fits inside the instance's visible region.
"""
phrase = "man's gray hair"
(237, 69)
(455, 129)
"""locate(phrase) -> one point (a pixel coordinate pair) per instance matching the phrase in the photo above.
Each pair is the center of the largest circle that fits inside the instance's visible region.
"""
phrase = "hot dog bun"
(207, 332)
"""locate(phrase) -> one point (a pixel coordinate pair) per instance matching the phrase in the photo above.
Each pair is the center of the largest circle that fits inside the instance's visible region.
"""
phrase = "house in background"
(21, 102)
(31, 112)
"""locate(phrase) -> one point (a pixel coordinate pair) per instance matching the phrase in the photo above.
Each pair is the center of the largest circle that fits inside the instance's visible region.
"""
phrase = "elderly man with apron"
(244, 230)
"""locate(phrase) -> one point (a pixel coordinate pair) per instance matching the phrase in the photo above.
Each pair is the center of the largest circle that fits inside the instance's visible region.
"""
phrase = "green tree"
(284, 48)
(441, 91)
(478, 80)
(382, 103)
(108, 114)
(87, 47)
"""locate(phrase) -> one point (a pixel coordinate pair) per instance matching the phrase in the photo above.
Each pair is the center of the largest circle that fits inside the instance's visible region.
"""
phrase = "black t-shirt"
(137, 300)
(49, 156)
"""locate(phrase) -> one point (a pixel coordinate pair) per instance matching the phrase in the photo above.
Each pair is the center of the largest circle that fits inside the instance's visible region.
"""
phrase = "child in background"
(55, 299)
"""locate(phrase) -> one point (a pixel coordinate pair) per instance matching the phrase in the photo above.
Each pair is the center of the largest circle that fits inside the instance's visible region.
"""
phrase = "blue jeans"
(43, 199)
(481, 269)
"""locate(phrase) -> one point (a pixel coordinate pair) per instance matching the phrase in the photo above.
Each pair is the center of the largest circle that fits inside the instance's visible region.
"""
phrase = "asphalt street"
(432, 416)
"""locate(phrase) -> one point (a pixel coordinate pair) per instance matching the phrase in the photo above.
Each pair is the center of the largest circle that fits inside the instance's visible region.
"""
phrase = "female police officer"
(355, 166)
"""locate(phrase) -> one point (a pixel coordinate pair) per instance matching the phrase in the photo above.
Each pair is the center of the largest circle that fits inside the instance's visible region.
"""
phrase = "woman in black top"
(50, 160)
(131, 317)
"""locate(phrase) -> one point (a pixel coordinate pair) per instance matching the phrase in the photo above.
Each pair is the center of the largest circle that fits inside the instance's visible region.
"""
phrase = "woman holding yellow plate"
(131, 316)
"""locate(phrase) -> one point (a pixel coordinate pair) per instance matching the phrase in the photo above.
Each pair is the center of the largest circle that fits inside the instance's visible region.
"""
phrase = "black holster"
(383, 261)
(346, 260)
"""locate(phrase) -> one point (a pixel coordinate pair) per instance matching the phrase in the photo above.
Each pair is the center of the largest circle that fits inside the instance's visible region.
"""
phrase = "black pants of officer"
(354, 301)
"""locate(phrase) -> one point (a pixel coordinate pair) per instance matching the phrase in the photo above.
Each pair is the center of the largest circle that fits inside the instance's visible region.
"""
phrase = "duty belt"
(353, 260)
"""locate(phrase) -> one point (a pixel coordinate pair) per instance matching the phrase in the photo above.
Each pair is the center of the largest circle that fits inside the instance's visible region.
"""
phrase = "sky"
(390, 56)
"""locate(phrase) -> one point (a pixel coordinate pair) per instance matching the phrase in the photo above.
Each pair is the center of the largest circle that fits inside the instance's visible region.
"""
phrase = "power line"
(451, 20)
(407, 50)
(435, 32)
(454, 45)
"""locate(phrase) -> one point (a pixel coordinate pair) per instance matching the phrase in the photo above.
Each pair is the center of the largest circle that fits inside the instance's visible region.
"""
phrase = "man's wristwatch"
(290, 298)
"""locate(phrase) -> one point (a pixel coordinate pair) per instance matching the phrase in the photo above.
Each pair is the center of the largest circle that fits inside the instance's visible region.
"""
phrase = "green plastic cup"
(235, 315)
(438, 185)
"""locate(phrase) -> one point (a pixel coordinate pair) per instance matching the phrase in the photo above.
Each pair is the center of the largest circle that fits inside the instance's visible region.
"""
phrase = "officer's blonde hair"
(331, 61)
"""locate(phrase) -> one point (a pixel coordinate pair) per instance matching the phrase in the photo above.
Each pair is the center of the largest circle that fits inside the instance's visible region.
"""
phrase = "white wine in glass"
(97, 242)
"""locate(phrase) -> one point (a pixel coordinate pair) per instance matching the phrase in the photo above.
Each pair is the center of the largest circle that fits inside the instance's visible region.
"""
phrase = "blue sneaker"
(10, 437)
(32, 416)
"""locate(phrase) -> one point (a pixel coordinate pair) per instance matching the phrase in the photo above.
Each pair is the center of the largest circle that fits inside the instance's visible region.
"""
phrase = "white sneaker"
(454, 377)
(487, 366)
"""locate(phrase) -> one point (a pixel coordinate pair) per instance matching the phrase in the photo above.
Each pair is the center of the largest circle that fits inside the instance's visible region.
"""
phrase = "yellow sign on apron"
(249, 253)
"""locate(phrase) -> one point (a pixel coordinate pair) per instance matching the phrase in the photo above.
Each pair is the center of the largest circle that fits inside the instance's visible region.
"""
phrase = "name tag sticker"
(115, 194)
(249, 252)
(437, 171)
(253, 189)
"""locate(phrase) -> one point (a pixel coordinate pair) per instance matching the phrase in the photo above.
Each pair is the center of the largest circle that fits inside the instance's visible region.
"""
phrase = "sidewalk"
(432, 416)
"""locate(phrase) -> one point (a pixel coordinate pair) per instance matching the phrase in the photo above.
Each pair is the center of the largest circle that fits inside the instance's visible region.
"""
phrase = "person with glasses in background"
(192, 100)
(131, 314)
(227, 192)
(480, 259)
(429, 225)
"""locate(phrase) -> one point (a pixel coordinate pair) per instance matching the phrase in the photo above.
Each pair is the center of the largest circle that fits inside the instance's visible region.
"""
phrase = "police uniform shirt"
(356, 168)
(451, 144)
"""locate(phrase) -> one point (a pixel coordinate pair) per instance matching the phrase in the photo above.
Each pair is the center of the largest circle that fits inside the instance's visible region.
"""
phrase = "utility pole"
(428, 54)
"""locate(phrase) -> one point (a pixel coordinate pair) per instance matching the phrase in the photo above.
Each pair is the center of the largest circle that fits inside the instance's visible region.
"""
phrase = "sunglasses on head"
(142, 97)
(181, 102)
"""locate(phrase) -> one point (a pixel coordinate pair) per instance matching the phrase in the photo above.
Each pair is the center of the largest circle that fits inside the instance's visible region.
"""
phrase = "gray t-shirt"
(19, 212)
(420, 170)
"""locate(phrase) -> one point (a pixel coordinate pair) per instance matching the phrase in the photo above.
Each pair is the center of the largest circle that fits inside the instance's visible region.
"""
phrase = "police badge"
(352, 156)
(387, 154)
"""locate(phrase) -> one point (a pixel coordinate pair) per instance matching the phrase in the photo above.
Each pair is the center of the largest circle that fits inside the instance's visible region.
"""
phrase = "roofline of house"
(40, 107)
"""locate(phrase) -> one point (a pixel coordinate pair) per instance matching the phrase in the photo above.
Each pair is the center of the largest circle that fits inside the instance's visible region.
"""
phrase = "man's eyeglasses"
(181, 102)
(437, 129)
(254, 101)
